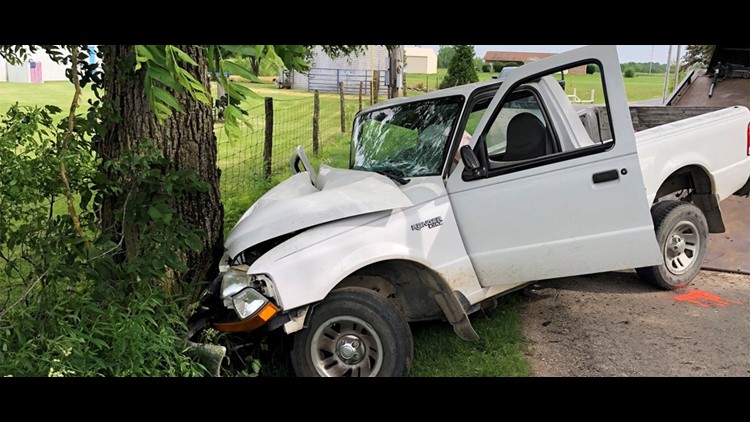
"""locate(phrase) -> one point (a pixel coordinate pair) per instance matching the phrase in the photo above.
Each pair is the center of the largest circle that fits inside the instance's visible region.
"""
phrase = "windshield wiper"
(394, 177)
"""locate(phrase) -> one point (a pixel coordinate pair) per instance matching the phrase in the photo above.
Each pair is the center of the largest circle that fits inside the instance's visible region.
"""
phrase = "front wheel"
(682, 233)
(354, 332)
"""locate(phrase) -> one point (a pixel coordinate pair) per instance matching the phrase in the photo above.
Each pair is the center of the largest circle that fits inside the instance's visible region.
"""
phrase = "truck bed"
(693, 91)
(727, 251)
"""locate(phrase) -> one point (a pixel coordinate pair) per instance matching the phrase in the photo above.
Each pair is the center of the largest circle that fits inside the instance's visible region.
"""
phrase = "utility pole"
(666, 76)
(677, 67)
(651, 62)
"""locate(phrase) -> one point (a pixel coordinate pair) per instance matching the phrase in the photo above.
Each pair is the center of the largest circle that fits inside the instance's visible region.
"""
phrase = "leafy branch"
(66, 141)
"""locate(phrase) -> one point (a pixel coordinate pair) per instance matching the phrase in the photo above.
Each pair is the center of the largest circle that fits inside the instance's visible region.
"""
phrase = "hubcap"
(681, 248)
(350, 349)
(346, 346)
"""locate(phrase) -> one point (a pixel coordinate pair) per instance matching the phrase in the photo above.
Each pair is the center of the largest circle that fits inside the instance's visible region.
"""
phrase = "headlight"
(233, 282)
(248, 302)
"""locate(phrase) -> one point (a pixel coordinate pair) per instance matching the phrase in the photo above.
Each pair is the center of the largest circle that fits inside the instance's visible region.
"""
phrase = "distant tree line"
(643, 67)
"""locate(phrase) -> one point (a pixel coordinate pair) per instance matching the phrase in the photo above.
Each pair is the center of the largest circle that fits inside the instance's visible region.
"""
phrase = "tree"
(186, 139)
(698, 54)
(478, 63)
(445, 54)
(138, 173)
(461, 68)
(160, 95)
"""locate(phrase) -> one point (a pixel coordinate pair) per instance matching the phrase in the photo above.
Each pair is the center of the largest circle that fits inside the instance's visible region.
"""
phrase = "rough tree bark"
(187, 140)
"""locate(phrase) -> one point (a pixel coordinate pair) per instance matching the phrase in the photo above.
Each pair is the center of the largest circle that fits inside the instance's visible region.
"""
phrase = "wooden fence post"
(343, 107)
(316, 120)
(376, 82)
(372, 86)
(403, 82)
(360, 95)
(268, 145)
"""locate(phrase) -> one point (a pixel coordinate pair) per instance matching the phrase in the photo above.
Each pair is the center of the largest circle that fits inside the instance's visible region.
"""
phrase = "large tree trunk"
(187, 140)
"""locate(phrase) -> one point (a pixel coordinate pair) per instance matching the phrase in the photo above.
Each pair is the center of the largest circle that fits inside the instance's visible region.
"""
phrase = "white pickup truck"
(456, 197)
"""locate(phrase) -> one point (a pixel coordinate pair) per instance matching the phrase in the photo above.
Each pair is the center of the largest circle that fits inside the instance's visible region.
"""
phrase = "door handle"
(605, 176)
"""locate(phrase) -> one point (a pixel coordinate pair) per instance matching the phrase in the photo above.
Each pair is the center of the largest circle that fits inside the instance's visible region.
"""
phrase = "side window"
(521, 118)
(546, 119)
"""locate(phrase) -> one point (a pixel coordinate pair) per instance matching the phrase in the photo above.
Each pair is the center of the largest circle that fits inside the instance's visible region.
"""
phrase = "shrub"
(461, 69)
(591, 69)
(75, 301)
(629, 73)
(497, 67)
(486, 67)
(82, 329)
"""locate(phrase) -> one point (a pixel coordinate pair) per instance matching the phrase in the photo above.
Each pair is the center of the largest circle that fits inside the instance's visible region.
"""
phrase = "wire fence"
(260, 155)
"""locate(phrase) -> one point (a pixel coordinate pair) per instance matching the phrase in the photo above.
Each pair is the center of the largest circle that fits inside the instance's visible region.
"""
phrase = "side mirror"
(473, 168)
(470, 160)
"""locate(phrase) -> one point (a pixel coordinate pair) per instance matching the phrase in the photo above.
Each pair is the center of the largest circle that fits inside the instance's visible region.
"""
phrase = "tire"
(354, 332)
(682, 234)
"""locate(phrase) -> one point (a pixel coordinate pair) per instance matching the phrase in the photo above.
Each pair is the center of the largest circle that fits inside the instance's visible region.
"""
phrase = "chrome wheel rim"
(346, 346)
(681, 248)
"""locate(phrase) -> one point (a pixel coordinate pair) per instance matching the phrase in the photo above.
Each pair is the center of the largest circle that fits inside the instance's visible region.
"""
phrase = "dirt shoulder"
(613, 324)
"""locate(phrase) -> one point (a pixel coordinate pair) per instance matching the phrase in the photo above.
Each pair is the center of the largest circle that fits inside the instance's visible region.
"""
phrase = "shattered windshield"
(407, 140)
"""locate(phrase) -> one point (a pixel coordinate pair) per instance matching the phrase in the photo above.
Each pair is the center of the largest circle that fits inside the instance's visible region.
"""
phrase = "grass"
(438, 351)
(59, 94)
(641, 87)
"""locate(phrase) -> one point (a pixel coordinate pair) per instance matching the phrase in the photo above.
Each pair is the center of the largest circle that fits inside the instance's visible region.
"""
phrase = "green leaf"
(232, 130)
(162, 112)
(202, 98)
(210, 58)
(154, 213)
(241, 50)
(164, 77)
(184, 56)
(273, 57)
(167, 98)
(194, 242)
(236, 69)
(247, 92)
(157, 54)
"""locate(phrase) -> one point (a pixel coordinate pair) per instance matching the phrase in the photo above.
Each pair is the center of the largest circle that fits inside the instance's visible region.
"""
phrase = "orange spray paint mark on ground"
(705, 299)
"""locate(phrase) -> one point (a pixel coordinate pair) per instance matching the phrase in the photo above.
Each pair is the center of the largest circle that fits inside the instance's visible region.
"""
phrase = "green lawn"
(438, 351)
(641, 87)
(59, 94)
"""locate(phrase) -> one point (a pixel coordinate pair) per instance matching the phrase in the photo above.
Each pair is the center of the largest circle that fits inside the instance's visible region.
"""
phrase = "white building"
(420, 60)
(38, 68)
(326, 72)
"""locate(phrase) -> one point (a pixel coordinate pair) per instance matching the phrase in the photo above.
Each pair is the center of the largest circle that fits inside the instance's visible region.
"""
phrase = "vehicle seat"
(526, 138)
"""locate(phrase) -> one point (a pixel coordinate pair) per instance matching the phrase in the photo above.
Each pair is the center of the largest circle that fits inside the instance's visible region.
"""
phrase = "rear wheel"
(354, 332)
(682, 233)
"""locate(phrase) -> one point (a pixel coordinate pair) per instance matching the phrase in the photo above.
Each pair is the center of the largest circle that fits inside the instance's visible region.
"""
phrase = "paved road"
(613, 324)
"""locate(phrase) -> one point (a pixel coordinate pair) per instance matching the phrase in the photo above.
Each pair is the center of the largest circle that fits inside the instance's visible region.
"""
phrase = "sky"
(627, 53)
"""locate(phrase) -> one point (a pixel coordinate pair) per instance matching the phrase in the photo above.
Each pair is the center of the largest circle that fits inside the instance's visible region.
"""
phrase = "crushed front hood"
(296, 204)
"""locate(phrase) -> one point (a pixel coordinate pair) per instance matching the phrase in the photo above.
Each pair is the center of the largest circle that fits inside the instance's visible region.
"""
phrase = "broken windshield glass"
(408, 140)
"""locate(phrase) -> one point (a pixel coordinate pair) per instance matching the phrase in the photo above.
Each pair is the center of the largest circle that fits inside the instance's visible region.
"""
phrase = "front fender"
(305, 268)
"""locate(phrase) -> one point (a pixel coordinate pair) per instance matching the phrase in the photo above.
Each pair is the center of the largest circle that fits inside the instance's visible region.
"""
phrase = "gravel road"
(614, 324)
